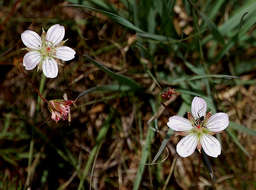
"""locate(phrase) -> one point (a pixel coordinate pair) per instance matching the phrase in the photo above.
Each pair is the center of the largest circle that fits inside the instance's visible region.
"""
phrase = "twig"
(161, 109)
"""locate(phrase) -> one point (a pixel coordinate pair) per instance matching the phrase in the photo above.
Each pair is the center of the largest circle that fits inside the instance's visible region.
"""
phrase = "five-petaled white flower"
(198, 129)
(45, 51)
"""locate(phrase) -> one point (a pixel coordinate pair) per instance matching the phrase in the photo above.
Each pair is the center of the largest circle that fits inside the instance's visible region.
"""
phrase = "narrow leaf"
(99, 140)
(120, 78)
(123, 21)
(236, 141)
(145, 154)
(163, 145)
(242, 128)
(114, 17)
(112, 87)
(215, 32)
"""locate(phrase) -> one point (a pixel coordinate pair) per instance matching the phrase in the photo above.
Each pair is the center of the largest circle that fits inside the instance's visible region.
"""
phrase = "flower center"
(199, 127)
(47, 49)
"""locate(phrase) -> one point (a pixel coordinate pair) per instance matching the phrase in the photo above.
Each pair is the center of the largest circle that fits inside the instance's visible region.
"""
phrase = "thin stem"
(35, 88)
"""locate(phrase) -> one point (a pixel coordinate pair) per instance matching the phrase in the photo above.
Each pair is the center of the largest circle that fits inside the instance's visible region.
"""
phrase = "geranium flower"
(60, 109)
(45, 51)
(199, 129)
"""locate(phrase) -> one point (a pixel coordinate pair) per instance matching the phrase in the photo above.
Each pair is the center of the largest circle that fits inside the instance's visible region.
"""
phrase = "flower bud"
(60, 109)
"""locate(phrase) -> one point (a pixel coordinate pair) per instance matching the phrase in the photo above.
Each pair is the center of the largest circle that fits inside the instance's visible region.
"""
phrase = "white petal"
(198, 107)
(31, 39)
(178, 123)
(187, 145)
(217, 122)
(31, 60)
(50, 67)
(65, 53)
(210, 145)
(55, 34)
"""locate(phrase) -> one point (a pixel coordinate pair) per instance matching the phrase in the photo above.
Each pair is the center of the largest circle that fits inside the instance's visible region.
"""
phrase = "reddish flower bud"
(60, 109)
(168, 93)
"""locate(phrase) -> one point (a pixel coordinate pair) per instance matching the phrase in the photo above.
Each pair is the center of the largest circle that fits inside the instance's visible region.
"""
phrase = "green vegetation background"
(128, 53)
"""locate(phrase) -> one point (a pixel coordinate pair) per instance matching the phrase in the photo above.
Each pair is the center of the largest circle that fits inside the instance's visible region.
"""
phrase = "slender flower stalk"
(46, 51)
(35, 88)
(199, 129)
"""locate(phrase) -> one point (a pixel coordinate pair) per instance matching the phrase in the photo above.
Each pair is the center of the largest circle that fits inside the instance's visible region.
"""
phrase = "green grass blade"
(99, 140)
(144, 157)
(158, 37)
(124, 22)
(120, 78)
(230, 27)
(112, 87)
(242, 128)
(197, 70)
(215, 32)
(7, 122)
(181, 112)
(163, 145)
(186, 78)
(29, 168)
(102, 4)
(98, 3)
(236, 141)
(225, 49)
(234, 20)
(215, 8)
(112, 16)
(145, 154)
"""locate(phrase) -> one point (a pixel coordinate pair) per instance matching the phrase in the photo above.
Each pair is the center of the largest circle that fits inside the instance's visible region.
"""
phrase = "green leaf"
(228, 27)
(123, 21)
(112, 87)
(158, 37)
(123, 80)
(236, 141)
(215, 32)
(114, 17)
(242, 67)
(145, 153)
(197, 70)
(231, 26)
(99, 140)
(225, 49)
(181, 112)
(163, 145)
(242, 128)
(176, 81)
(215, 8)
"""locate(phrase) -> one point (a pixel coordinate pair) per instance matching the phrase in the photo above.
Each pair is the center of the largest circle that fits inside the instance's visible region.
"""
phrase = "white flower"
(45, 51)
(198, 130)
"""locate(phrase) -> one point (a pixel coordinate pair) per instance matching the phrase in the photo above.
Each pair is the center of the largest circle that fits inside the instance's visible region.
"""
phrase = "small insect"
(199, 119)
(167, 94)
